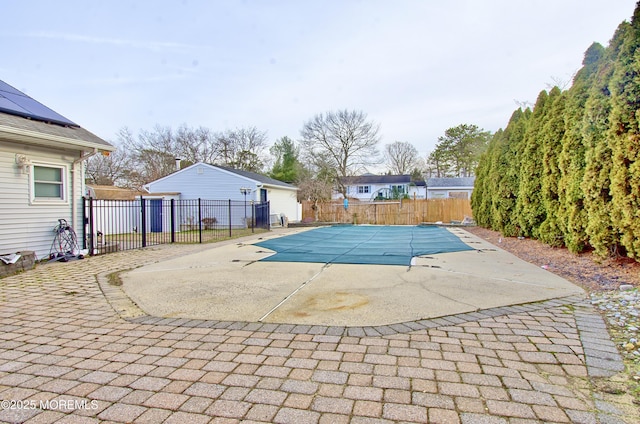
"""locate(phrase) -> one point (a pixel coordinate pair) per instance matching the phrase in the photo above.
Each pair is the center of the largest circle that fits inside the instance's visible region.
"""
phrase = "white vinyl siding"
(285, 201)
(206, 182)
(448, 193)
(23, 224)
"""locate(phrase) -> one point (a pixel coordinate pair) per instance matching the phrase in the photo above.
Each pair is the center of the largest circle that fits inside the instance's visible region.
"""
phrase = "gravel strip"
(621, 309)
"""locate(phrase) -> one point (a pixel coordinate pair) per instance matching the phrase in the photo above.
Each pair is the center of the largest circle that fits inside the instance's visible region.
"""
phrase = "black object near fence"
(112, 225)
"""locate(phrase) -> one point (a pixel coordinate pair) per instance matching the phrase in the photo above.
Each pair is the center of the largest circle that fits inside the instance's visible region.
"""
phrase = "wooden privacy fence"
(398, 212)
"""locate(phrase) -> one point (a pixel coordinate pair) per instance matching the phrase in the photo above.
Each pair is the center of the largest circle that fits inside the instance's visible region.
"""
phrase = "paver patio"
(73, 351)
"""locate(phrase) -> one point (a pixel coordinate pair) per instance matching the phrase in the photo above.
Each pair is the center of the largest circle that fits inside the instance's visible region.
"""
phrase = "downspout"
(74, 206)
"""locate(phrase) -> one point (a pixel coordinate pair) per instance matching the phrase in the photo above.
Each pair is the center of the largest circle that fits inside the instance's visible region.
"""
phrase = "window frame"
(63, 184)
(364, 189)
(401, 188)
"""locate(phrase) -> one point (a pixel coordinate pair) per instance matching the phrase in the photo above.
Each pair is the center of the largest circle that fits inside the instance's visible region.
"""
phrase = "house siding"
(285, 202)
(27, 226)
(352, 191)
(417, 192)
(193, 184)
(447, 193)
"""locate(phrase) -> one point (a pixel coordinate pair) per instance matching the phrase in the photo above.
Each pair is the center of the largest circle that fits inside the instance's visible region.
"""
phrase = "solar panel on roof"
(15, 102)
(6, 87)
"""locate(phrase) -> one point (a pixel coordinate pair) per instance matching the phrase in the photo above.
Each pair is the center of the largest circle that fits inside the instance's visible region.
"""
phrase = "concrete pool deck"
(228, 283)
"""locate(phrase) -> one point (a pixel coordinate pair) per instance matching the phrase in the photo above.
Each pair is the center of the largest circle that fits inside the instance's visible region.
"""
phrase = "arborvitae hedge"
(571, 161)
(552, 229)
(529, 208)
(568, 172)
(624, 138)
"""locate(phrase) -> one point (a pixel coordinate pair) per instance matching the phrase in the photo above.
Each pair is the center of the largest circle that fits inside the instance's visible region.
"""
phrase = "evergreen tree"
(571, 160)
(504, 177)
(481, 197)
(529, 207)
(458, 151)
(551, 230)
(603, 234)
(287, 167)
(511, 157)
(624, 137)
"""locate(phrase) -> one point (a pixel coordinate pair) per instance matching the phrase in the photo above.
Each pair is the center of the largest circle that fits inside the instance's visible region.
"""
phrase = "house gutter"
(263, 185)
(47, 139)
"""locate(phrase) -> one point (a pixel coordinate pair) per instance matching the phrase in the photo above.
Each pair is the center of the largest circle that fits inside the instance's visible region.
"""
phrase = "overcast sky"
(414, 67)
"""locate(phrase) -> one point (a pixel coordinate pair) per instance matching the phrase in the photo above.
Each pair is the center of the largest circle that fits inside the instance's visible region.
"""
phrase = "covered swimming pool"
(363, 244)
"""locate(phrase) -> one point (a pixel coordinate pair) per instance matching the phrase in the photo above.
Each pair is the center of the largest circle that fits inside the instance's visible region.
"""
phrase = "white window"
(48, 183)
(399, 189)
(363, 189)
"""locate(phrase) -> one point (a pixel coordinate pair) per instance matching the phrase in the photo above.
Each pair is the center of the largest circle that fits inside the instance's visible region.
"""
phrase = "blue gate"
(262, 215)
(155, 209)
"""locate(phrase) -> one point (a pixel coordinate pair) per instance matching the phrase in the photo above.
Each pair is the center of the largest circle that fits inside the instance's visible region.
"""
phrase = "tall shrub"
(529, 207)
(505, 174)
(571, 160)
(603, 233)
(625, 139)
(551, 230)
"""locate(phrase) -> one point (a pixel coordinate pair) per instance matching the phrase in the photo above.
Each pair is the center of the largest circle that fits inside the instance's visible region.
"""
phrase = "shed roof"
(104, 192)
(258, 177)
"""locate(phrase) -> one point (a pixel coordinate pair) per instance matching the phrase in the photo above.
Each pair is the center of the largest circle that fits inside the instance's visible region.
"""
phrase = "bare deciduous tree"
(242, 148)
(346, 138)
(154, 153)
(109, 170)
(315, 188)
(196, 145)
(401, 158)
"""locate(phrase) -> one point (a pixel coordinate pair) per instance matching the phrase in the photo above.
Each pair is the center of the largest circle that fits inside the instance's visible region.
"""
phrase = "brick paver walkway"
(73, 351)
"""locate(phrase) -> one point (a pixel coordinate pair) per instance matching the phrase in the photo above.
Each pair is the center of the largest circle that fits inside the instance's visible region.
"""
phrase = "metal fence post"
(253, 216)
(200, 219)
(268, 215)
(90, 235)
(173, 221)
(144, 221)
(229, 217)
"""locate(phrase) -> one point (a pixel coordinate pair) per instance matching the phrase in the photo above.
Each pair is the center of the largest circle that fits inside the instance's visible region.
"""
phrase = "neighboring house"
(42, 170)
(447, 188)
(370, 187)
(212, 182)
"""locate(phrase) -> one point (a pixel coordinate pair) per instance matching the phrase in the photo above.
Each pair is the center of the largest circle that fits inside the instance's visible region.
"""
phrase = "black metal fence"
(112, 225)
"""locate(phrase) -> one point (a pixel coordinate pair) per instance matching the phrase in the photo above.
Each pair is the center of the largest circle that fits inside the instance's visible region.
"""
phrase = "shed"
(213, 182)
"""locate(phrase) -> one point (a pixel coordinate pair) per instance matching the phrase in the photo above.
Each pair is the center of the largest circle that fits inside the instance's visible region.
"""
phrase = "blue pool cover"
(366, 244)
